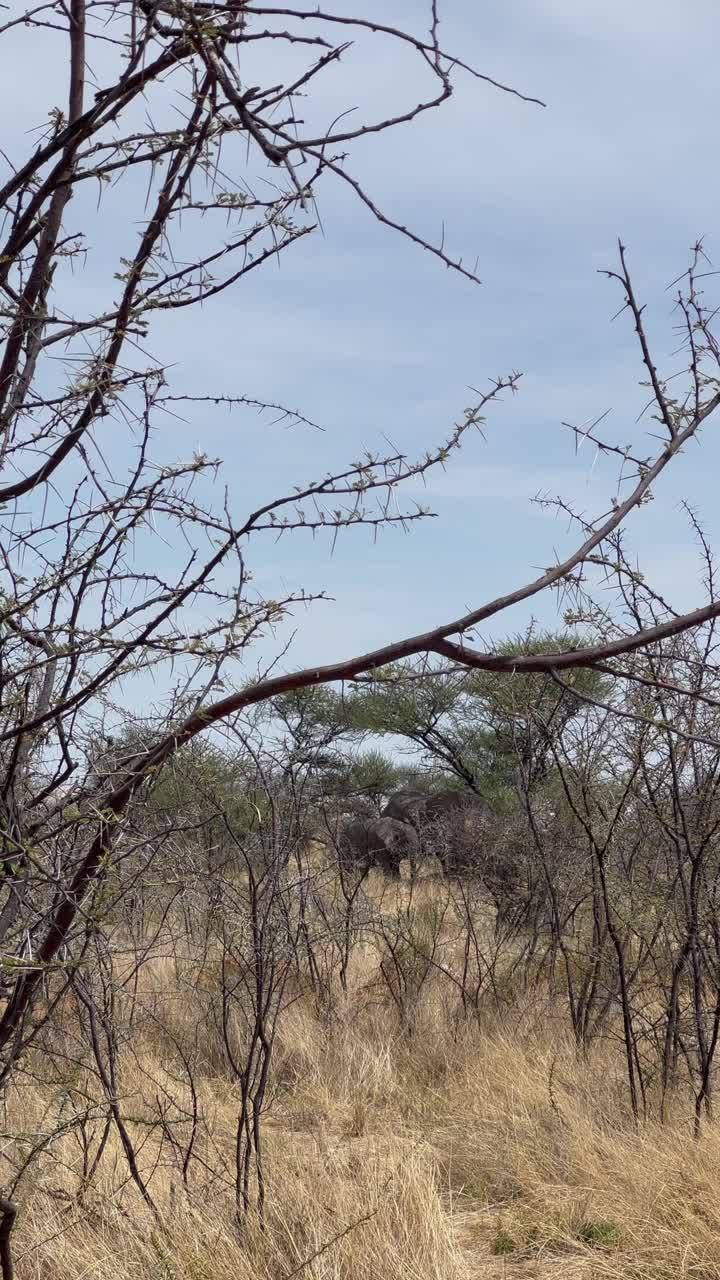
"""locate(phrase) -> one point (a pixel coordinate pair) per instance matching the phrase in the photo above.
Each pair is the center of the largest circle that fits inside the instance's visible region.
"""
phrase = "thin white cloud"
(503, 482)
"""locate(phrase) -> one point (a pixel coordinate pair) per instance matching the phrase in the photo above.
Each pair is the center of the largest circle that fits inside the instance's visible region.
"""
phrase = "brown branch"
(637, 311)
(179, 173)
(380, 28)
(584, 656)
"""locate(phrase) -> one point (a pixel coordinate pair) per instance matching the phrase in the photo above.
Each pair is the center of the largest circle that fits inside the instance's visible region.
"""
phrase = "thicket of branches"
(599, 753)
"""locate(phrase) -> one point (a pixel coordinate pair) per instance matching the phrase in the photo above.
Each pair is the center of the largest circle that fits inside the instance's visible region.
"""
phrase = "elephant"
(449, 824)
(382, 842)
(407, 806)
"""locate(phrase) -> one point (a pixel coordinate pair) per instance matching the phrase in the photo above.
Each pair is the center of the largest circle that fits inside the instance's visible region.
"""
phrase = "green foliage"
(401, 700)
(528, 713)
(200, 784)
(503, 1243)
(477, 1187)
(166, 1269)
(476, 729)
(600, 1235)
(536, 695)
(215, 787)
(310, 714)
(373, 775)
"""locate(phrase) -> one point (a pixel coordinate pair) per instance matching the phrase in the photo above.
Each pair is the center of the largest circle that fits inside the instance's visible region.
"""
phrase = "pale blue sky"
(374, 339)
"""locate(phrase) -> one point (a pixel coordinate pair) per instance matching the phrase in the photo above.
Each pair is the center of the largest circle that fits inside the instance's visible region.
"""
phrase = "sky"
(374, 340)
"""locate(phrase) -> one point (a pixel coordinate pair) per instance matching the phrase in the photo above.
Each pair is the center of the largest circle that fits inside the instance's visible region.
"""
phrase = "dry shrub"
(480, 1148)
(542, 1141)
(359, 1211)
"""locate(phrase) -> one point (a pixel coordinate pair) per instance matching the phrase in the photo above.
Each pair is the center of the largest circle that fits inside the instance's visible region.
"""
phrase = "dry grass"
(494, 1150)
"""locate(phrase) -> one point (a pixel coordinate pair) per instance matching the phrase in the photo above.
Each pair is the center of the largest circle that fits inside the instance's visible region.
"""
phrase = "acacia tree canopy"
(473, 729)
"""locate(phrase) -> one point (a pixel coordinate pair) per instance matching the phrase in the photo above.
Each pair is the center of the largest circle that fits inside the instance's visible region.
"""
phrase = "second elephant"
(383, 842)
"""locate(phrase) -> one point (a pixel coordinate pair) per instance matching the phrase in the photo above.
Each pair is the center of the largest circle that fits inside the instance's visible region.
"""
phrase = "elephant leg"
(389, 863)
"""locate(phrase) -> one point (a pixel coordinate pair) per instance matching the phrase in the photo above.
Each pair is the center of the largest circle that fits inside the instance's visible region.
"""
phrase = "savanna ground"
(399, 1139)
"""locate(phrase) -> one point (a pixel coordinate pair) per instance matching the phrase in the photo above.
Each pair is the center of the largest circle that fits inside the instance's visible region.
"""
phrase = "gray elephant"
(450, 824)
(407, 806)
(383, 842)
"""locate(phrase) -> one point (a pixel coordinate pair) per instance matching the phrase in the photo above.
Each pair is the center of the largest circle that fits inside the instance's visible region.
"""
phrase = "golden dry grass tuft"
(432, 1150)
